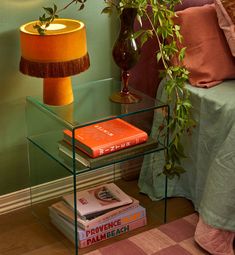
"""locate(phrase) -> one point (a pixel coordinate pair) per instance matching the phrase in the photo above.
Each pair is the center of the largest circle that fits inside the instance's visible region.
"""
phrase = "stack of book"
(102, 212)
(98, 144)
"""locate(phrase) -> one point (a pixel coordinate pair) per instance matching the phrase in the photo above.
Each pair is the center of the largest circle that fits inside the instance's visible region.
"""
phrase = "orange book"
(106, 137)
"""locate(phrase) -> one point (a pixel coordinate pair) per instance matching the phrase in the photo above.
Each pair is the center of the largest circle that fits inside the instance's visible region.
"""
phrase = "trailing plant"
(159, 15)
(51, 13)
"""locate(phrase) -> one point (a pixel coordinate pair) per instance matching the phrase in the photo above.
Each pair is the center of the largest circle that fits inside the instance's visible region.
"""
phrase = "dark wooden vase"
(126, 54)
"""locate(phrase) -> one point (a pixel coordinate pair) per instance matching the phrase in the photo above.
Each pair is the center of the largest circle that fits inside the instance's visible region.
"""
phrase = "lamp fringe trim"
(54, 69)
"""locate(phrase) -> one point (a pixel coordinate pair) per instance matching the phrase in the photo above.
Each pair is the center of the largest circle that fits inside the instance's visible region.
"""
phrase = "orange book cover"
(106, 137)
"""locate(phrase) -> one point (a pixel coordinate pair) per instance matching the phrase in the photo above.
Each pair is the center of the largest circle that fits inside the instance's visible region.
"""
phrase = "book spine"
(112, 233)
(123, 219)
(112, 147)
(69, 156)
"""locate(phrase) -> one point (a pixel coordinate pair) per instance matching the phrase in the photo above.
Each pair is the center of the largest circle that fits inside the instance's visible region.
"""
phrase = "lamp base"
(57, 91)
(125, 98)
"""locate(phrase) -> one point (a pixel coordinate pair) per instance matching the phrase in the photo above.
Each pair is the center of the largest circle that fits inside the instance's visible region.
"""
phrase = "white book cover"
(94, 201)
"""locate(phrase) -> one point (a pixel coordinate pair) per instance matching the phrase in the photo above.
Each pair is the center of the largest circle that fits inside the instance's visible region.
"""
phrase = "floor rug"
(174, 238)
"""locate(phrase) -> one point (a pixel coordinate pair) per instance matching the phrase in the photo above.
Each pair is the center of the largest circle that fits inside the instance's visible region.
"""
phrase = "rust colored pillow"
(226, 17)
(208, 57)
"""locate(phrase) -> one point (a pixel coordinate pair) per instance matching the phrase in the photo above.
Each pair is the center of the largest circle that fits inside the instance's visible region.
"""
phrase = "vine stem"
(66, 6)
(160, 48)
(163, 61)
(158, 40)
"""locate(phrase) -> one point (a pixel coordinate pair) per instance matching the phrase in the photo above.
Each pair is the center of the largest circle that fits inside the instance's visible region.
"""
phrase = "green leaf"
(177, 28)
(168, 166)
(48, 19)
(159, 56)
(40, 30)
(187, 103)
(179, 169)
(182, 54)
(48, 10)
(180, 151)
(55, 8)
(81, 7)
(139, 19)
(143, 38)
(106, 10)
(150, 33)
(138, 33)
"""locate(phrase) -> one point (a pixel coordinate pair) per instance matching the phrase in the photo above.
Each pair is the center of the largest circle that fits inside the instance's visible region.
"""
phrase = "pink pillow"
(208, 57)
(226, 20)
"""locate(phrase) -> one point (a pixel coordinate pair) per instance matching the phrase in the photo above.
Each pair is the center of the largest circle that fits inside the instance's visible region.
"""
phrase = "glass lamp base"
(125, 98)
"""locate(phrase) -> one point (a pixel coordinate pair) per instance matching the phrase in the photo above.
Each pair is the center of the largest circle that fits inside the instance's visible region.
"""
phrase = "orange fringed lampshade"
(55, 56)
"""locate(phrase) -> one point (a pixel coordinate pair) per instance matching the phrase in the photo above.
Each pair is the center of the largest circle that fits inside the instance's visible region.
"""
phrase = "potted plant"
(159, 15)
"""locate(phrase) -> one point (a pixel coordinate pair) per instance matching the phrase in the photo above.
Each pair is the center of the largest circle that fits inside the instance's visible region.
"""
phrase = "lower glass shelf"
(154, 216)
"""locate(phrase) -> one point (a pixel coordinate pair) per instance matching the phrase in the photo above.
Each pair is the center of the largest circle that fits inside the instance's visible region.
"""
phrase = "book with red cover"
(106, 137)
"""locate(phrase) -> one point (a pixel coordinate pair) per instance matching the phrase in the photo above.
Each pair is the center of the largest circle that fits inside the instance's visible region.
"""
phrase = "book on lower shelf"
(65, 211)
(117, 225)
(98, 200)
(106, 137)
(115, 222)
(66, 152)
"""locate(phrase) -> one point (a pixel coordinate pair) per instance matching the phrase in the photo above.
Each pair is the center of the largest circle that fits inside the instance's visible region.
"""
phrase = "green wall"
(101, 33)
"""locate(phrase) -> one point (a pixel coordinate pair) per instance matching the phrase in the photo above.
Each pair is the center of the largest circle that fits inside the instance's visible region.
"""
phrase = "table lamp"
(55, 56)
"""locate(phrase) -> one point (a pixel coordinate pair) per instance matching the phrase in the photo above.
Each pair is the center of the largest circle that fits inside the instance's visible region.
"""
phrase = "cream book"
(98, 200)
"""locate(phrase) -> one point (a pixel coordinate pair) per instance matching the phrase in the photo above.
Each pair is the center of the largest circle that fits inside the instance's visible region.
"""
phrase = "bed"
(210, 178)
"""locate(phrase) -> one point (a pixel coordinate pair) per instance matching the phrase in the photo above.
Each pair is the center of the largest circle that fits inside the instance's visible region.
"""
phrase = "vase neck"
(127, 18)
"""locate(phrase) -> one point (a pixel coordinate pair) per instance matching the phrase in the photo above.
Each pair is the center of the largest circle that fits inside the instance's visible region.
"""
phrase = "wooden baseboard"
(19, 199)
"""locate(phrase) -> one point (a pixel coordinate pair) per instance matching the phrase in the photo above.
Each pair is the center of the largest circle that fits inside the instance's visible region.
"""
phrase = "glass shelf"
(91, 105)
(47, 144)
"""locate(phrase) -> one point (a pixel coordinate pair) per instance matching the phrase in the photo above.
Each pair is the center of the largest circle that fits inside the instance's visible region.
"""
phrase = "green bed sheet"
(210, 178)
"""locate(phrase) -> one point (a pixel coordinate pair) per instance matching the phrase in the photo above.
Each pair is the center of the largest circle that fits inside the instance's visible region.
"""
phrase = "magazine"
(98, 200)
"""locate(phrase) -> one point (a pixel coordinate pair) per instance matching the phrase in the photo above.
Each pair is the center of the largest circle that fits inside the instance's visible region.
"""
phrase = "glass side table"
(51, 174)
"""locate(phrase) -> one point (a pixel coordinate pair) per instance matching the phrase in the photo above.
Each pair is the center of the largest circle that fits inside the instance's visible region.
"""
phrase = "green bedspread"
(210, 178)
